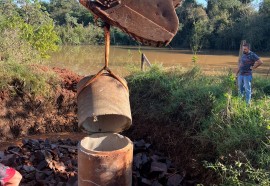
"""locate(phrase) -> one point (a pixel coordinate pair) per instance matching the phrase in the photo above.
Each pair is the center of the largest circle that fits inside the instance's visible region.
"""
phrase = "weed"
(240, 173)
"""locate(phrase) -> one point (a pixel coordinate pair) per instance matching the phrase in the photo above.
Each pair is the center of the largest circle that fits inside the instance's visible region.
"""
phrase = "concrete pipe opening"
(105, 159)
(104, 142)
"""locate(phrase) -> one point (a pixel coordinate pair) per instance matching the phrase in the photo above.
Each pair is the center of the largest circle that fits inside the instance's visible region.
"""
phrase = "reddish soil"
(22, 114)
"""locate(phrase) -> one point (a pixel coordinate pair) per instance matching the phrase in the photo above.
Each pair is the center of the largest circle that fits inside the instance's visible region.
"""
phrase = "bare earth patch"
(23, 115)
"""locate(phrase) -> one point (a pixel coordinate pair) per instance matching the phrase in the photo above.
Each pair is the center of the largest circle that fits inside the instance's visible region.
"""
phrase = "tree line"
(223, 24)
(219, 25)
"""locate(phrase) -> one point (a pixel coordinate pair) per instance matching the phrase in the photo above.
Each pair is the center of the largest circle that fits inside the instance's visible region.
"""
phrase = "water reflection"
(90, 59)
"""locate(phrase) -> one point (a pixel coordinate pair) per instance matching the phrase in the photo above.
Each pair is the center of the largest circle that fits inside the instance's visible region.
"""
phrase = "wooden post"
(143, 61)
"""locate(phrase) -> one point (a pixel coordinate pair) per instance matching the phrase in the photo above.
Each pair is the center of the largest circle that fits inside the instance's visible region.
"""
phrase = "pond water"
(86, 60)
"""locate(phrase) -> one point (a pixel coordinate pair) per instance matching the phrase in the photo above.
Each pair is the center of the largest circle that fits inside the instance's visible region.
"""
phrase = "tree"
(226, 16)
(59, 9)
(183, 36)
(264, 17)
(75, 24)
(34, 26)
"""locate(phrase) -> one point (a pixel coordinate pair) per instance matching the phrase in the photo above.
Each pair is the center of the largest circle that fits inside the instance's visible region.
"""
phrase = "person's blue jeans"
(244, 86)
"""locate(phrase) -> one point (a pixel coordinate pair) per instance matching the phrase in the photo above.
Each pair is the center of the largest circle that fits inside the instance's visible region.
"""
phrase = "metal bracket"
(107, 3)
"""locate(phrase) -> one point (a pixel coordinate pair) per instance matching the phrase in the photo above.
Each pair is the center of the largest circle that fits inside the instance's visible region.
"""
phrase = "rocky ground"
(46, 162)
(53, 162)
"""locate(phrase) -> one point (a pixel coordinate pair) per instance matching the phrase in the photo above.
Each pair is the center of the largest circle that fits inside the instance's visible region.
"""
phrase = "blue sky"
(255, 2)
(202, 2)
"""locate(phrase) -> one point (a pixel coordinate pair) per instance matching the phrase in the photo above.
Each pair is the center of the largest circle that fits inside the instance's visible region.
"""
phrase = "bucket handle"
(107, 49)
(99, 74)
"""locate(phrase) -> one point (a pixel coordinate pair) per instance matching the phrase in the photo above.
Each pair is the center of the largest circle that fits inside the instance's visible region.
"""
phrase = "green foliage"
(208, 108)
(60, 9)
(261, 87)
(220, 25)
(80, 35)
(75, 24)
(26, 78)
(30, 24)
(42, 38)
(26, 36)
(267, 90)
(172, 94)
(197, 36)
(223, 24)
(243, 128)
(235, 126)
(240, 173)
(121, 38)
(12, 47)
(188, 14)
(195, 59)
(201, 28)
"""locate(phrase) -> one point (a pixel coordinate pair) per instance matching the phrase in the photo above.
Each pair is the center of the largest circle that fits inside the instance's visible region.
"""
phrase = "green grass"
(27, 78)
(208, 108)
(179, 95)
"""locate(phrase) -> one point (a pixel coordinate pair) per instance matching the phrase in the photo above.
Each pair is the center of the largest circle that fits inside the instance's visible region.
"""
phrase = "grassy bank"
(197, 120)
(200, 122)
(29, 78)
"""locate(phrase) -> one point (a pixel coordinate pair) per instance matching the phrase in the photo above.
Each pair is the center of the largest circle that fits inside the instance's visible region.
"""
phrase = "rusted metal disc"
(151, 22)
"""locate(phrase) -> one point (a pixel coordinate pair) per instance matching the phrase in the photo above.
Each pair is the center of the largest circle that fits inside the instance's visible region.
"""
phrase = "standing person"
(9, 176)
(248, 62)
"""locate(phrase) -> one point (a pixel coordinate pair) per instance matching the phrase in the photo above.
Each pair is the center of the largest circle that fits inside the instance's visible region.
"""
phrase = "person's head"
(246, 48)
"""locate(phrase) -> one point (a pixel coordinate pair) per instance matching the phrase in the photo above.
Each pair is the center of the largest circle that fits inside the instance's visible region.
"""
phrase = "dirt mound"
(22, 114)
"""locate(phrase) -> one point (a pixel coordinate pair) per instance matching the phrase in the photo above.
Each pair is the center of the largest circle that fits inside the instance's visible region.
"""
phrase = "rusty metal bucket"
(152, 22)
(105, 159)
(103, 105)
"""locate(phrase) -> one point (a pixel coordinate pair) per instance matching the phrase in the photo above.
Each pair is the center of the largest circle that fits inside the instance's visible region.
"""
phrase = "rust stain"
(154, 28)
